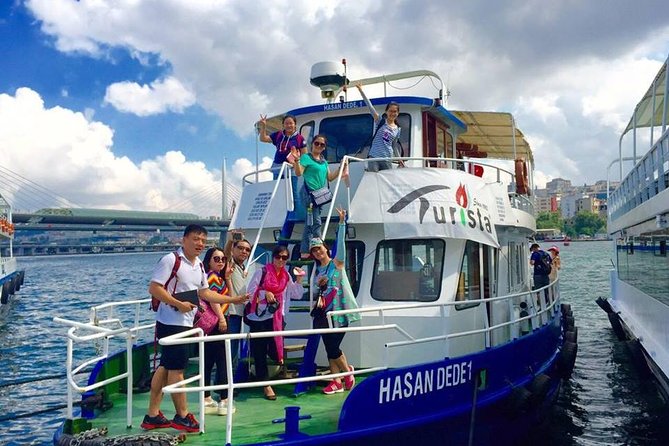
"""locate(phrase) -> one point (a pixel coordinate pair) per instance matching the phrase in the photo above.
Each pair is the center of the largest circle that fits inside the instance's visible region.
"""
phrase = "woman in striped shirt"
(385, 135)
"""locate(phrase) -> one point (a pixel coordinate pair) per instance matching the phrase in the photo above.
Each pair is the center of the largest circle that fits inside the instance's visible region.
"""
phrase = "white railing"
(541, 305)
(648, 177)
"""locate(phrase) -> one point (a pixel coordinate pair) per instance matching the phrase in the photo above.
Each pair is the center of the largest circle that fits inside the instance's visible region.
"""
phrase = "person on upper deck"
(386, 134)
(334, 293)
(285, 141)
(314, 167)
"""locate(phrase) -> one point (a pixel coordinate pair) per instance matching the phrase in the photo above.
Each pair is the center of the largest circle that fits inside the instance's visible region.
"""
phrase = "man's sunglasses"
(218, 259)
(243, 248)
(282, 257)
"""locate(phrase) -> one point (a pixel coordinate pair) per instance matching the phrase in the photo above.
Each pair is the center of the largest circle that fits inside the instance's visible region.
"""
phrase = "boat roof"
(644, 114)
(275, 122)
(493, 133)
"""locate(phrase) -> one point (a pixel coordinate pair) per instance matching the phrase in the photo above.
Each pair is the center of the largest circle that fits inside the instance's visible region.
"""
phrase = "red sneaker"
(349, 381)
(333, 387)
(187, 423)
(157, 422)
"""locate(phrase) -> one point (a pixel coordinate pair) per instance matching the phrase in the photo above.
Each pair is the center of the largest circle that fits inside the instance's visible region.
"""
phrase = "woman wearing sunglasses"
(314, 167)
(218, 272)
(271, 288)
(334, 293)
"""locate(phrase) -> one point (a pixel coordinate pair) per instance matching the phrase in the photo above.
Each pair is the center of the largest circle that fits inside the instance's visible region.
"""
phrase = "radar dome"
(329, 77)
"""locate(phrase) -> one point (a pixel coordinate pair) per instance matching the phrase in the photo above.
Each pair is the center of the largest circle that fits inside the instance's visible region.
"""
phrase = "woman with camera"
(271, 288)
(334, 293)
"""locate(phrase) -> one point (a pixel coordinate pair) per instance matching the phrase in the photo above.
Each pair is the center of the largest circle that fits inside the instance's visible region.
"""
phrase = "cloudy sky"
(134, 104)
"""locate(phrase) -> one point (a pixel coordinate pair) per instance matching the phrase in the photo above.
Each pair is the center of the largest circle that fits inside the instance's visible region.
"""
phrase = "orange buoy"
(522, 184)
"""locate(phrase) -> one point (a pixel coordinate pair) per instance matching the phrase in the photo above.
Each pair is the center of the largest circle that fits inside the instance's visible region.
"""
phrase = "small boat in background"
(10, 278)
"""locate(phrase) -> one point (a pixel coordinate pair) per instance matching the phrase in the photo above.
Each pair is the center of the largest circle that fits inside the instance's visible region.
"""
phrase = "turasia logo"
(463, 214)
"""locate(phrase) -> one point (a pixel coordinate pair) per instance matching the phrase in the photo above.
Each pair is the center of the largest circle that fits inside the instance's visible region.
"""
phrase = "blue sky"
(133, 104)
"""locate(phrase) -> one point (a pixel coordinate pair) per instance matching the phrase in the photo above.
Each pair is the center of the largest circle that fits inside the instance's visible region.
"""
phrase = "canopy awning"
(645, 115)
(493, 133)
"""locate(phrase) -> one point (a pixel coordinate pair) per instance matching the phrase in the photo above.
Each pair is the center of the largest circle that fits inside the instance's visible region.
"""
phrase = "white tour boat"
(452, 346)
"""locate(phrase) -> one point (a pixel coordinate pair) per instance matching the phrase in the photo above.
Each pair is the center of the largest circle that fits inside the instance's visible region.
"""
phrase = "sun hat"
(315, 243)
(554, 248)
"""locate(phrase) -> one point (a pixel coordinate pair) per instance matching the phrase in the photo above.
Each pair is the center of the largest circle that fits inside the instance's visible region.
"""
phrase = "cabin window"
(517, 265)
(307, 132)
(643, 263)
(408, 270)
(350, 135)
(355, 255)
(473, 274)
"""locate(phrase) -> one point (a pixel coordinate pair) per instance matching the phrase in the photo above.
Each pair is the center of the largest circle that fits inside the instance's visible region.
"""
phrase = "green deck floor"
(252, 422)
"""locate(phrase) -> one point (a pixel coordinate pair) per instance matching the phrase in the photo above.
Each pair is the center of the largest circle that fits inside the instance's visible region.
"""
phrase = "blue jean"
(313, 230)
(234, 327)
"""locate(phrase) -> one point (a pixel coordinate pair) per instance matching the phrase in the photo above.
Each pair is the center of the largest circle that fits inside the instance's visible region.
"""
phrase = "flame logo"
(461, 196)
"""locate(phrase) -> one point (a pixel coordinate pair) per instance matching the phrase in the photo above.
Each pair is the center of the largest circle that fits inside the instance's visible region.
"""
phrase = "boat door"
(437, 142)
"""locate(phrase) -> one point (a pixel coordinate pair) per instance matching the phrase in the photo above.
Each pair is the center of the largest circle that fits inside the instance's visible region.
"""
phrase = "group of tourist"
(261, 299)
(226, 288)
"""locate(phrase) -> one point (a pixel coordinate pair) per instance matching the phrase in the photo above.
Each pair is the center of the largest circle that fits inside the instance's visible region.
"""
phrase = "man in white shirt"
(175, 316)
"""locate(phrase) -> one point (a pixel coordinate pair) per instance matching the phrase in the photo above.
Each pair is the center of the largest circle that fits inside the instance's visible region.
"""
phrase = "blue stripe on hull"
(427, 404)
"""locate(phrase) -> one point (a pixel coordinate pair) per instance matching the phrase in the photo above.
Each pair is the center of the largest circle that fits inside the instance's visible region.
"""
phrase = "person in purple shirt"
(284, 140)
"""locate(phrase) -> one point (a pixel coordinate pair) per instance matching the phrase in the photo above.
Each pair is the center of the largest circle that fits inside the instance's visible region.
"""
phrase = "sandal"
(272, 396)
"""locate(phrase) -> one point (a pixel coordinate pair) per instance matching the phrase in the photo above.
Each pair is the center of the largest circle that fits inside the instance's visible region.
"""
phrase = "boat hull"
(509, 386)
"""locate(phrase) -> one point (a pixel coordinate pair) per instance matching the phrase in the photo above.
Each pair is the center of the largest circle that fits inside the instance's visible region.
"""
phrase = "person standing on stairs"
(314, 167)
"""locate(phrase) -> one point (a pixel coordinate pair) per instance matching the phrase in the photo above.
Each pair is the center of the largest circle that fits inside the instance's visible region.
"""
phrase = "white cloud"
(72, 156)
(572, 90)
(144, 100)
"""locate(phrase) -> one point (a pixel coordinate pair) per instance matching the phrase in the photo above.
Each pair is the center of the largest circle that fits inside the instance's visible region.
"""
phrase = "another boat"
(11, 279)
(452, 347)
(638, 224)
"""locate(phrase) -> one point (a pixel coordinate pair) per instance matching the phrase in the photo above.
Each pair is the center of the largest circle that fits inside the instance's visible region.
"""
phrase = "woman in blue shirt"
(285, 141)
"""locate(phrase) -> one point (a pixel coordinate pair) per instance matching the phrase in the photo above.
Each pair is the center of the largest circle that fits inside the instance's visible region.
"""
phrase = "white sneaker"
(223, 408)
(210, 406)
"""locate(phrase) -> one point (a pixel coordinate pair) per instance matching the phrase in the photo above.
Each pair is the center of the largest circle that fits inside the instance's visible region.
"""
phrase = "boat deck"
(252, 419)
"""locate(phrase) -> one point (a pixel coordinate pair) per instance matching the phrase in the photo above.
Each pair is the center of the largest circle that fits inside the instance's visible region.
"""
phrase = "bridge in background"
(80, 219)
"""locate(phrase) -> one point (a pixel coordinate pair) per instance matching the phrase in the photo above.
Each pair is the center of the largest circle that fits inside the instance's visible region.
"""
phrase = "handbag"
(320, 196)
(206, 319)
(247, 307)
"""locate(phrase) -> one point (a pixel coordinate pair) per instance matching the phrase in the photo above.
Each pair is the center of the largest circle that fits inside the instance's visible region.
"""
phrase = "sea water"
(607, 402)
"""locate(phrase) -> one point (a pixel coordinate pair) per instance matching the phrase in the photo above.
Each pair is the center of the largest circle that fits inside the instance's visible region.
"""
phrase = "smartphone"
(237, 236)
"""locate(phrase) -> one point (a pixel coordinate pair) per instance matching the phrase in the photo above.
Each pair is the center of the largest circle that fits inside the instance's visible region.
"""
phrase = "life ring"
(522, 184)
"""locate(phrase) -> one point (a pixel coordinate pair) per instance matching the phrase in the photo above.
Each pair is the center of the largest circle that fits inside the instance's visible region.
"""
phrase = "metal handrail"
(289, 202)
